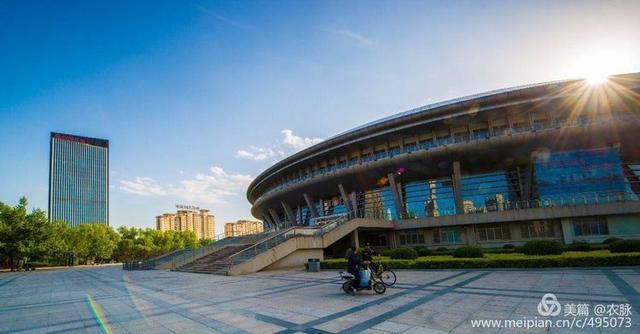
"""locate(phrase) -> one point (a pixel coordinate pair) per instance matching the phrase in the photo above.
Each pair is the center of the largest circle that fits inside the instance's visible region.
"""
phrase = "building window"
(590, 226)
(581, 177)
(536, 229)
(487, 192)
(490, 232)
(446, 237)
(416, 238)
(432, 198)
(380, 154)
(425, 144)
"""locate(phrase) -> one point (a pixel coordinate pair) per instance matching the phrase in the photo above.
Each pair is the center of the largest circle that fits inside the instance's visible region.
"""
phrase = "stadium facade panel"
(556, 160)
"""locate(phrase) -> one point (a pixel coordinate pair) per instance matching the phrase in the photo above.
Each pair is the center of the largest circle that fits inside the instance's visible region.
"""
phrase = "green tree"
(103, 240)
(80, 240)
(24, 235)
(125, 252)
(58, 242)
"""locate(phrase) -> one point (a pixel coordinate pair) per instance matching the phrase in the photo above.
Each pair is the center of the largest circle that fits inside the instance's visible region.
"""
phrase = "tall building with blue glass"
(79, 180)
(556, 160)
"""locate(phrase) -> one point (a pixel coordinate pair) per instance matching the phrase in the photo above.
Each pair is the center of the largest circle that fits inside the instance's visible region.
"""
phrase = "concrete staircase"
(214, 263)
(294, 246)
(290, 247)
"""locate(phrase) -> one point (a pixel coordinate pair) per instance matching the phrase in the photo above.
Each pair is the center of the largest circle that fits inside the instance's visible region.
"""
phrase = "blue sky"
(198, 97)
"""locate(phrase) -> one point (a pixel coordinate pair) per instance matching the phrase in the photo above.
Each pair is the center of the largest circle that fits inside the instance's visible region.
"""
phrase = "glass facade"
(378, 204)
(486, 192)
(590, 226)
(493, 232)
(416, 238)
(447, 236)
(536, 229)
(552, 180)
(432, 198)
(582, 176)
(79, 180)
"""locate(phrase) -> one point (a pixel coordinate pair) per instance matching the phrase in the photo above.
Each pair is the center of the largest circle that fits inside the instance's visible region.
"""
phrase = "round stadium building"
(556, 160)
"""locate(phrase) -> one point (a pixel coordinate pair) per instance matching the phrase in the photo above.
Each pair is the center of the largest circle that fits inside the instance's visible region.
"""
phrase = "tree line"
(30, 238)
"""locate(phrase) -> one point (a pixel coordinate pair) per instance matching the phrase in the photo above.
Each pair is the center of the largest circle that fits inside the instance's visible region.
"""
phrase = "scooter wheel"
(379, 288)
(348, 288)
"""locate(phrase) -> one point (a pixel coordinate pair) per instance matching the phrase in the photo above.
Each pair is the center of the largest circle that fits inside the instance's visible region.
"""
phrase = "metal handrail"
(202, 251)
(269, 243)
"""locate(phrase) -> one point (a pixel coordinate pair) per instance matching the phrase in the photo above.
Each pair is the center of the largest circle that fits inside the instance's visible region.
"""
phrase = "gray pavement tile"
(172, 302)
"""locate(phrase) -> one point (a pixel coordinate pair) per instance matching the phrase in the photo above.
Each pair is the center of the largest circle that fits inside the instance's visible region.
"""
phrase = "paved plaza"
(110, 300)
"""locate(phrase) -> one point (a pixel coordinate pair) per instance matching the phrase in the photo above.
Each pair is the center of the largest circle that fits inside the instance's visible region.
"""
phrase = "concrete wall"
(297, 259)
(625, 226)
(523, 215)
(297, 250)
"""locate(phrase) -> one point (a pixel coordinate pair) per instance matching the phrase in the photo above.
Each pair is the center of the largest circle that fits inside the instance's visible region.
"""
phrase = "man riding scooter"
(352, 265)
(358, 281)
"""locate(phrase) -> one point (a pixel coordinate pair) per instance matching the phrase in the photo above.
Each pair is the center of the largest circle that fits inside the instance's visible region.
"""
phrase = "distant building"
(468, 206)
(196, 220)
(242, 227)
(79, 180)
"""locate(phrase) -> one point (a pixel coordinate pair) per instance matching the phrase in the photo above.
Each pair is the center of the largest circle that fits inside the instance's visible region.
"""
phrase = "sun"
(597, 78)
(596, 65)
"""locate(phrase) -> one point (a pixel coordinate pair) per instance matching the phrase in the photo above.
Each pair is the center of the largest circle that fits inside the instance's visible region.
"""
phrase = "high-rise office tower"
(79, 180)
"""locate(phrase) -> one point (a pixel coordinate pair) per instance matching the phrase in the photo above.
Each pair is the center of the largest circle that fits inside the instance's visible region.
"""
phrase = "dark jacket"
(352, 262)
(367, 255)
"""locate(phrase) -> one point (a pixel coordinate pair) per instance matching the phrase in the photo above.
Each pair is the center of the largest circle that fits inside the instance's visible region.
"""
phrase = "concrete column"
(355, 241)
(345, 199)
(527, 187)
(289, 213)
(397, 201)
(391, 237)
(311, 206)
(276, 218)
(457, 187)
(515, 231)
(354, 203)
(470, 234)
(269, 221)
(567, 231)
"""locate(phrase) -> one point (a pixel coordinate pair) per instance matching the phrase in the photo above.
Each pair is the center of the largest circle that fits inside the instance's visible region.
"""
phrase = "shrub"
(403, 253)
(508, 246)
(468, 252)
(610, 240)
(442, 249)
(542, 247)
(581, 246)
(422, 250)
(625, 246)
(590, 259)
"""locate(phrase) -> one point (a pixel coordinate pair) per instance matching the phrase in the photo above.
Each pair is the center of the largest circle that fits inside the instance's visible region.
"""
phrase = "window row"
(439, 139)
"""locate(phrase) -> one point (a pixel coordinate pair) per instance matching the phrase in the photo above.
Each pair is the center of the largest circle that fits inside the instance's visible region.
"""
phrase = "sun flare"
(596, 66)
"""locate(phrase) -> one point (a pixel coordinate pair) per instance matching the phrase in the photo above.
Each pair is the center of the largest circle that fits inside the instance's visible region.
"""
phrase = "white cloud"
(297, 143)
(289, 144)
(143, 186)
(212, 187)
(360, 39)
(258, 153)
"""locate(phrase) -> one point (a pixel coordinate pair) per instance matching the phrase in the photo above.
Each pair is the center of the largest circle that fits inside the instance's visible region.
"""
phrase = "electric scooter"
(366, 282)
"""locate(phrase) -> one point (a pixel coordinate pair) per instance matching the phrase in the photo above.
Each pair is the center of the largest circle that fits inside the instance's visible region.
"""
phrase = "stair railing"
(329, 223)
(202, 251)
